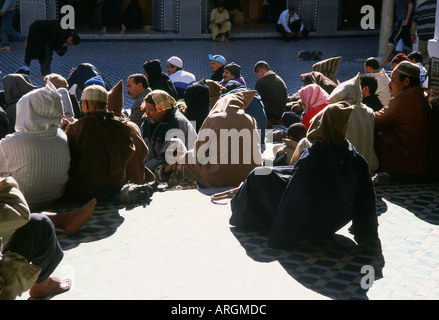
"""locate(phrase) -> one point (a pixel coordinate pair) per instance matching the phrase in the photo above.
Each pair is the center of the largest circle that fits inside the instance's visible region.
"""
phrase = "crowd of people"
(72, 141)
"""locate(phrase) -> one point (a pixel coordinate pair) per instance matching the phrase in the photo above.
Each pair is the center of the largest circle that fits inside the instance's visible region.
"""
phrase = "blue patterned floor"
(116, 60)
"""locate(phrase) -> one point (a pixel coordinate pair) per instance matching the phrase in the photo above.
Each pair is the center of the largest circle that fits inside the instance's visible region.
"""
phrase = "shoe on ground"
(5, 48)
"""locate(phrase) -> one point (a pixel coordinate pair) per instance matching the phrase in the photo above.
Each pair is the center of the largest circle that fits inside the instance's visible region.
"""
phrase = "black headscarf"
(159, 80)
(197, 99)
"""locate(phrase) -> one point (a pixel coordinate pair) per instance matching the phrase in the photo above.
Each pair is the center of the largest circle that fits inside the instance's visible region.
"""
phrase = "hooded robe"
(37, 154)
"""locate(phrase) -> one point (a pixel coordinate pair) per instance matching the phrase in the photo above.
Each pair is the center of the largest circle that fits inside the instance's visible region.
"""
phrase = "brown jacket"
(226, 114)
(405, 125)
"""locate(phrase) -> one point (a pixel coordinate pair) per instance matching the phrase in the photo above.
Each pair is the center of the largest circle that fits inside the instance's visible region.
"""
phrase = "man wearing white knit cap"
(179, 77)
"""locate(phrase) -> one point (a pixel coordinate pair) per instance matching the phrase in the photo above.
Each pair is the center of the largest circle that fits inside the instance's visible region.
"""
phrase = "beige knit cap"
(409, 69)
(95, 93)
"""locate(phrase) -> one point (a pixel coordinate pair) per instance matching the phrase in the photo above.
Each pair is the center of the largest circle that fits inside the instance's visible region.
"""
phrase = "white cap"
(176, 61)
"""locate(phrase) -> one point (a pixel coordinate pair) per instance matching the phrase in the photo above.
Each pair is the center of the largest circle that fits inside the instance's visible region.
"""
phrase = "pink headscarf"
(313, 96)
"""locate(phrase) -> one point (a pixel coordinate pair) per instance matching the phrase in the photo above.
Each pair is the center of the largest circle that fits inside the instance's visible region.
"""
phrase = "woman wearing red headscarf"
(314, 99)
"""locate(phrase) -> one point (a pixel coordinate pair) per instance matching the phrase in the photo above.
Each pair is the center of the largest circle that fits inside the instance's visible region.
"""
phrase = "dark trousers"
(46, 61)
(37, 242)
(401, 32)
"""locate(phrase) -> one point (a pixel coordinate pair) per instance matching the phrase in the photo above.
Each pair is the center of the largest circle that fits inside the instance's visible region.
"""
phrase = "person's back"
(157, 79)
(37, 155)
(255, 108)
(226, 167)
(197, 100)
(100, 147)
(16, 86)
(361, 122)
(328, 187)
(405, 125)
(274, 94)
(181, 80)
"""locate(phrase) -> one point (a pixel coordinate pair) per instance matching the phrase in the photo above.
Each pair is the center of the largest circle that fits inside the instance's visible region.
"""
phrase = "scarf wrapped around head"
(313, 96)
(160, 99)
(330, 125)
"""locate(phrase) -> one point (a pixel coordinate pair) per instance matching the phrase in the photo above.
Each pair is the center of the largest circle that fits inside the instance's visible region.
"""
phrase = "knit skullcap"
(234, 69)
(409, 69)
(95, 93)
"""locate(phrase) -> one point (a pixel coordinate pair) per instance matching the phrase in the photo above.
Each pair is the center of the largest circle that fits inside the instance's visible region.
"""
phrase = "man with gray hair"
(405, 126)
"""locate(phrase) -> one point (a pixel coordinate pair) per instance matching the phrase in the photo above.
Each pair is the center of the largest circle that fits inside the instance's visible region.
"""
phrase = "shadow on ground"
(421, 200)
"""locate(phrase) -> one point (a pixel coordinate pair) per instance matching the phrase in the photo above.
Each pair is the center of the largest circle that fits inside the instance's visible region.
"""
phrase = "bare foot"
(51, 285)
(124, 30)
(79, 217)
(104, 30)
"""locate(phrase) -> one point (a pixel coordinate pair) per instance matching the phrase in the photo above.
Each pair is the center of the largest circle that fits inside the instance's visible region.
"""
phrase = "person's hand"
(1, 13)
(405, 22)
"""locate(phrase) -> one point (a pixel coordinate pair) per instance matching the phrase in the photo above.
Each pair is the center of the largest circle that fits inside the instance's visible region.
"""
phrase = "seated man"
(416, 58)
(273, 92)
(100, 149)
(179, 77)
(30, 251)
(137, 89)
(157, 79)
(290, 25)
(37, 154)
(15, 86)
(369, 85)
(220, 23)
(404, 125)
(161, 117)
(232, 71)
(372, 67)
(326, 189)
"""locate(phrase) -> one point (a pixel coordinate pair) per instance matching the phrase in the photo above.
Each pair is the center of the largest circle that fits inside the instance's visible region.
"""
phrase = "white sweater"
(37, 155)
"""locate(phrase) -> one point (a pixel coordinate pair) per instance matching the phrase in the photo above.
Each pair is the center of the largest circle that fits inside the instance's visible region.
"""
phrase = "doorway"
(90, 15)
(255, 13)
(350, 13)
